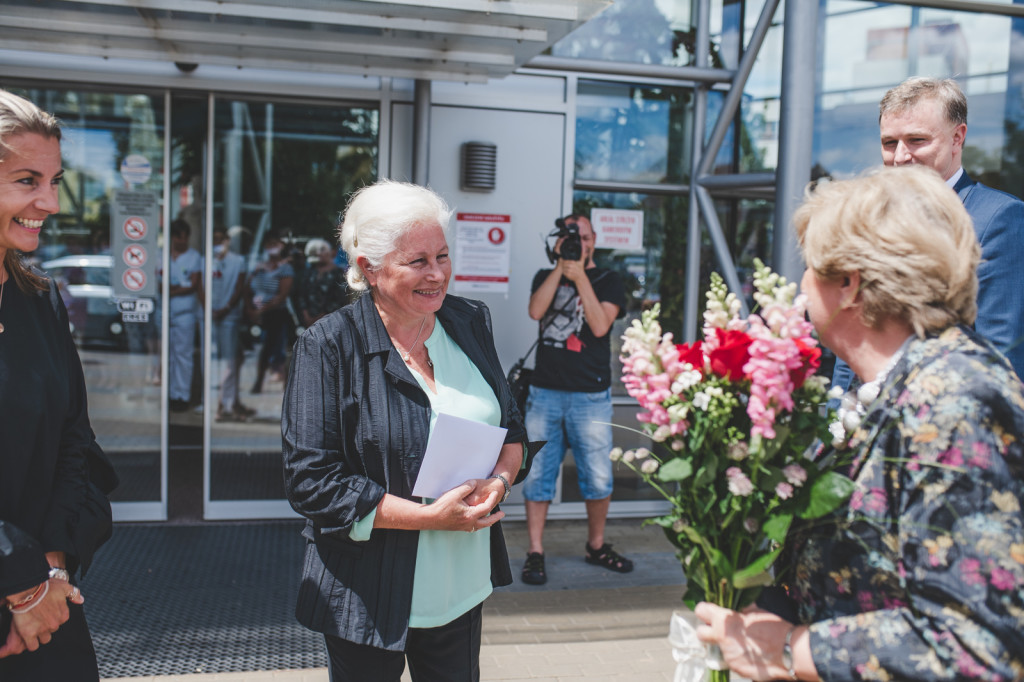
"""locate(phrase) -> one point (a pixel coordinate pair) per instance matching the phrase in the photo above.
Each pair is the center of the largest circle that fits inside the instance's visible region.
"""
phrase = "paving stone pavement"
(585, 623)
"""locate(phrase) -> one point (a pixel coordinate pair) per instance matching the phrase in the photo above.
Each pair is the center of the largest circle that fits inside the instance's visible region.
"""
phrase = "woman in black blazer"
(389, 577)
(54, 512)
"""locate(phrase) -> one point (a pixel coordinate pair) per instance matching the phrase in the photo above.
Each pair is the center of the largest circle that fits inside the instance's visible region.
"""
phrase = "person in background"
(185, 284)
(324, 288)
(570, 402)
(54, 477)
(924, 121)
(226, 312)
(270, 285)
(921, 575)
(389, 577)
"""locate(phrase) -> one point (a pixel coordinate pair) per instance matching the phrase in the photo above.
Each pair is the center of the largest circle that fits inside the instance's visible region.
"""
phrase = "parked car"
(84, 283)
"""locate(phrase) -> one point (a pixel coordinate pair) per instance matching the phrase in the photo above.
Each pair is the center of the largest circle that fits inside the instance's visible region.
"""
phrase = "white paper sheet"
(458, 450)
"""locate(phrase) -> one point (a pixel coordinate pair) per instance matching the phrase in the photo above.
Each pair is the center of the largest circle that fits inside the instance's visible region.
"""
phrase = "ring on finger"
(74, 593)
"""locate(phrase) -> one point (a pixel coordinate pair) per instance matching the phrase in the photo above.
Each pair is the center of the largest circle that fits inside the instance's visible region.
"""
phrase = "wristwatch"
(504, 482)
(787, 654)
(60, 574)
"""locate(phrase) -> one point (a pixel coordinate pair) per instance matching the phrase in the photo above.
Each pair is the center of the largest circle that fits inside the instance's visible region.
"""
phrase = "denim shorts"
(581, 421)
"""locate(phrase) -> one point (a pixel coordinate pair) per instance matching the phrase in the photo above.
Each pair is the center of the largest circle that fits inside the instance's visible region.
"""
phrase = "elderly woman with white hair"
(390, 577)
(921, 575)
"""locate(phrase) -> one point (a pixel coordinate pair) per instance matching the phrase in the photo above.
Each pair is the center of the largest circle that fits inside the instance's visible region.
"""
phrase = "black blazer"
(354, 427)
(54, 477)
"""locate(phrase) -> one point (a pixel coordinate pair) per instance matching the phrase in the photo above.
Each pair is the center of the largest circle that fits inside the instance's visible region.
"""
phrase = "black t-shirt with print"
(569, 356)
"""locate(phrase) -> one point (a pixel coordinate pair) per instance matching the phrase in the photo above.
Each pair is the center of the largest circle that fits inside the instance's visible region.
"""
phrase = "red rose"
(733, 351)
(811, 357)
(692, 353)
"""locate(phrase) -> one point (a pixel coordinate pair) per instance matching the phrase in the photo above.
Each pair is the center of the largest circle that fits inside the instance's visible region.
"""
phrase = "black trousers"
(450, 653)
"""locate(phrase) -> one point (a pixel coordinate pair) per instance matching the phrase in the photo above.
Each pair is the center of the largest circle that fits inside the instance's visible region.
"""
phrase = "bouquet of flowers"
(735, 416)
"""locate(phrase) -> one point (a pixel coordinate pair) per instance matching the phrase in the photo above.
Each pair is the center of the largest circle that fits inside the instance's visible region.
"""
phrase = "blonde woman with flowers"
(920, 575)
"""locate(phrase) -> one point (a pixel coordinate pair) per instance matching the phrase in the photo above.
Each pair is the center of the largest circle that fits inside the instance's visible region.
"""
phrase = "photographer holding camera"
(570, 404)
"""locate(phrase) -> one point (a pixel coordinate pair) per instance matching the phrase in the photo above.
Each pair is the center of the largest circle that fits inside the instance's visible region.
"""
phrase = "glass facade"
(262, 165)
(113, 156)
(279, 172)
(630, 133)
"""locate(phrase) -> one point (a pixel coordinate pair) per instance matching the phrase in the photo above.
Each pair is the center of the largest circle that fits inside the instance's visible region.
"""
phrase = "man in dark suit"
(924, 120)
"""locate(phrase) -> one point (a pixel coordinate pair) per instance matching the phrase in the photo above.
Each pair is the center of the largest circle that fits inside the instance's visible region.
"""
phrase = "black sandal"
(608, 558)
(533, 569)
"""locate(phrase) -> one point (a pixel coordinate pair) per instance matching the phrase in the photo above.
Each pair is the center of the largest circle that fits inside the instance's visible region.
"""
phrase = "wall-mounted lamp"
(479, 166)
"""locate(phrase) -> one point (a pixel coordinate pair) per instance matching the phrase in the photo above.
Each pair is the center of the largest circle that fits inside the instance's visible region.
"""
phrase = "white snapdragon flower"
(649, 466)
(701, 400)
(686, 379)
(838, 434)
(615, 455)
(795, 474)
(739, 484)
(628, 456)
(784, 490)
(678, 412)
(660, 434)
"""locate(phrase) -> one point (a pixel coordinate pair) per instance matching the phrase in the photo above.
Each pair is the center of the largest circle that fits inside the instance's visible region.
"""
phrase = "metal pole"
(796, 125)
(691, 301)
(421, 132)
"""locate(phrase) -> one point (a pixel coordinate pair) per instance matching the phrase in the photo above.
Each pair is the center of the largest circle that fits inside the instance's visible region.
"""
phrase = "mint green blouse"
(453, 569)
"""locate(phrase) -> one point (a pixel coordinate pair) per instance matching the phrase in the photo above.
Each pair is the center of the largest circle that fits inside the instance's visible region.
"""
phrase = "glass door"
(104, 249)
(279, 176)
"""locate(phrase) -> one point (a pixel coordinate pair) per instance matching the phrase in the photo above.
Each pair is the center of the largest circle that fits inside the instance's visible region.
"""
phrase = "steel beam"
(796, 140)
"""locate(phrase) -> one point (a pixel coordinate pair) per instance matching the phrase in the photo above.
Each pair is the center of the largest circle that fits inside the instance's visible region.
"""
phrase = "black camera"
(568, 230)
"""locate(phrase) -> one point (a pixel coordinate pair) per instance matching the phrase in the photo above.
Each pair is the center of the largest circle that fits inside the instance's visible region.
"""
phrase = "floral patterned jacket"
(921, 576)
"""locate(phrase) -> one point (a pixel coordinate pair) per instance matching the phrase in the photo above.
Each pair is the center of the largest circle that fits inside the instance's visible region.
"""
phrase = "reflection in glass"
(881, 46)
(653, 274)
(632, 133)
(282, 171)
(83, 249)
(657, 32)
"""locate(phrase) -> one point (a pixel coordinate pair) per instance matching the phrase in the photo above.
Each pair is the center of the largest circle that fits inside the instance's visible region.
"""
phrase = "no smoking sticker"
(135, 228)
(134, 279)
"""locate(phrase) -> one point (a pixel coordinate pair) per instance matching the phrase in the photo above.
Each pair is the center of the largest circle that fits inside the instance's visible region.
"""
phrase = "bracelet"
(31, 601)
(504, 482)
(787, 654)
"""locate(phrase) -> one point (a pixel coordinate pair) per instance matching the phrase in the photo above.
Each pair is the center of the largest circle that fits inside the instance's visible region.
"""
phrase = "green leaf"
(693, 535)
(720, 562)
(675, 470)
(756, 574)
(707, 473)
(776, 527)
(827, 493)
